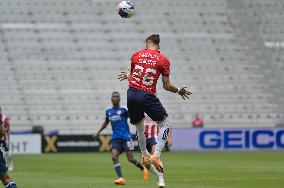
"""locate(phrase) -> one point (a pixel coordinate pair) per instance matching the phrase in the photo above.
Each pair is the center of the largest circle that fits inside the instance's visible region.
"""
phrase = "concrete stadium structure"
(60, 59)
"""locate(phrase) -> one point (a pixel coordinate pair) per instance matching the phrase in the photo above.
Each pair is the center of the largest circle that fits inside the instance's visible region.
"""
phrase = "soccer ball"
(125, 9)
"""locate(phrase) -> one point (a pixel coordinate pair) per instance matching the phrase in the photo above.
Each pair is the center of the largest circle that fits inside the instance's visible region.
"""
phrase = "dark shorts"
(150, 142)
(3, 165)
(140, 102)
(5, 145)
(122, 145)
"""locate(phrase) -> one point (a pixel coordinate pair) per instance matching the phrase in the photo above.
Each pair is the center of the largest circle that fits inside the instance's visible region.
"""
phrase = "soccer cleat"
(146, 161)
(146, 174)
(120, 181)
(157, 163)
(161, 181)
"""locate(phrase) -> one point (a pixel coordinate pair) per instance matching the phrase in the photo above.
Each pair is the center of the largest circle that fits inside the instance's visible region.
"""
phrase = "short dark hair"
(154, 38)
(115, 92)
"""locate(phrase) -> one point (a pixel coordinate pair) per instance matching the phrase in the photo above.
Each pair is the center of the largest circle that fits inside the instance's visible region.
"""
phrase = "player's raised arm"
(167, 85)
(104, 125)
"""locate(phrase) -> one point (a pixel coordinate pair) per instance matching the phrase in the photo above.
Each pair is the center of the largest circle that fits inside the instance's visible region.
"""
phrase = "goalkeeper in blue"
(121, 138)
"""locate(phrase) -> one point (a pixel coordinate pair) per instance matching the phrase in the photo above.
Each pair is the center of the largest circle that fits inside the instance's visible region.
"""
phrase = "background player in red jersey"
(146, 67)
(5, 140)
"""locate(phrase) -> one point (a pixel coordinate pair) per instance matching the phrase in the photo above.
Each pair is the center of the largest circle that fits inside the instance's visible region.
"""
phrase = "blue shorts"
(150, 142)
(140, 102)
(3, 165)
(122, 145)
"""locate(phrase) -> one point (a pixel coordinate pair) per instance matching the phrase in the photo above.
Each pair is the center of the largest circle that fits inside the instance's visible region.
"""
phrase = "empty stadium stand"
(60, 60)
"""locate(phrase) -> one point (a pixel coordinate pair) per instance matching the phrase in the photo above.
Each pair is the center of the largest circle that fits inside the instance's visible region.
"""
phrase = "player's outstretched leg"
(9, 154)
(138, 165)
(141, 138)
(11, 161)
(151, 145)
(5, 178)
(161, 141)
(159, 175)
(120, 180)
(162, 136)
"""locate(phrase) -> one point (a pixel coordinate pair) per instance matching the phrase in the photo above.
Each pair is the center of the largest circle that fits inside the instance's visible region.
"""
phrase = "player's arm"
(104, 125)
(6, 124)
(7, 128)
(1, 126)
(126, 74)
(167, 85)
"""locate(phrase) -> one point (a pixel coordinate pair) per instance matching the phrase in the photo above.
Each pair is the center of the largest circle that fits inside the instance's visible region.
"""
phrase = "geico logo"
(237, 139)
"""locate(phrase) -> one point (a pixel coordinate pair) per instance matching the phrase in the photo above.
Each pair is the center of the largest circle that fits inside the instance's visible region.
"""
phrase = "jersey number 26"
(147, 79)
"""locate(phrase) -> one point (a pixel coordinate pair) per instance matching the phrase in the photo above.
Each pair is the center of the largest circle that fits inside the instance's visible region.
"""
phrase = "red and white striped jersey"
(151, 128)
(6, 123)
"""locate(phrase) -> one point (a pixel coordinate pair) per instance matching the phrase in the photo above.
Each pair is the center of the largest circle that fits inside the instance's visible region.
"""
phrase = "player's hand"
(123, 76)
(184, 93)
(96, 136)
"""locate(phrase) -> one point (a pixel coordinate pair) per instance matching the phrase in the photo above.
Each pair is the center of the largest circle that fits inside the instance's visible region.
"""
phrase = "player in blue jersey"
(121, 138)
(5, 178)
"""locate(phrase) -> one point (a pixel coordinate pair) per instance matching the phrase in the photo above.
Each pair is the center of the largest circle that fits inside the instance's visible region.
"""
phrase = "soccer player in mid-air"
(5, 178)
(121, 138)
(5, 140)
(146, 67)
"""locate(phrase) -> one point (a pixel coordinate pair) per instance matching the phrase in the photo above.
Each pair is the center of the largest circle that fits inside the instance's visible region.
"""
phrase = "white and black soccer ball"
(125, 9)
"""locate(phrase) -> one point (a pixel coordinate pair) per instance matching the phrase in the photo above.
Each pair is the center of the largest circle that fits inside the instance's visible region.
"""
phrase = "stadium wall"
(25, 143)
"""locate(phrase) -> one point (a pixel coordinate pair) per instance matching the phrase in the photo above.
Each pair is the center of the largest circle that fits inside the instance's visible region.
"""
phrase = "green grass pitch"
(183, 170)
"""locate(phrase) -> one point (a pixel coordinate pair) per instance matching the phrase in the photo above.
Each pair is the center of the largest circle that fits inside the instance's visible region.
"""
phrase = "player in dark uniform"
(5, 178)
(146, 67)
(5, 140)
(121, 137)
